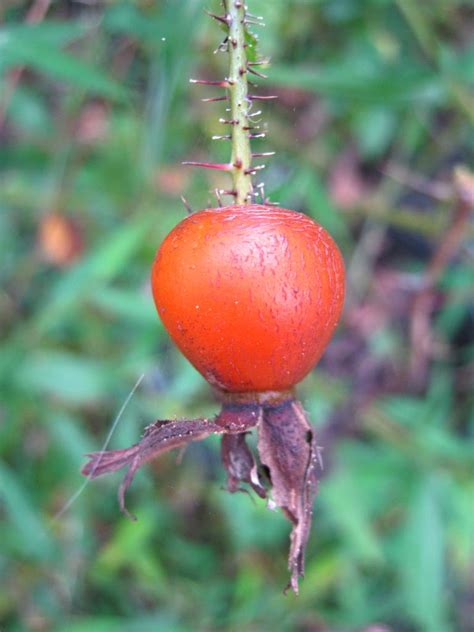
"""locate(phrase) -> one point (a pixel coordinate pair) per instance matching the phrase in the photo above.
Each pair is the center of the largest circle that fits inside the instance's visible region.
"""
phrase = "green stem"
(239, 103)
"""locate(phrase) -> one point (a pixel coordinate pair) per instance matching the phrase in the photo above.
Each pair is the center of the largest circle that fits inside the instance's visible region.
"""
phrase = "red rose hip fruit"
(250, 294)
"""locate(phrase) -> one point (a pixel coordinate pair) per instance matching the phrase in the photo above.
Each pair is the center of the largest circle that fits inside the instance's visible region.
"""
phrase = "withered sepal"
(286, 445)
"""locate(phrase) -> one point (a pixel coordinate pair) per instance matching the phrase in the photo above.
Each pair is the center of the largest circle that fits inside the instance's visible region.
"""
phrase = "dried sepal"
(287, 447)
(240, 464)
(158, 438)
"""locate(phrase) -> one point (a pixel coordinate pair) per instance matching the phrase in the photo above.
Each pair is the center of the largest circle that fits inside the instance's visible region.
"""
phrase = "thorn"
(253, 170)
(258, 74)
(187, 205)
(252, 115)
(261, 135)
(218, 196)
(260, 62)
(228, 192)
(261, 191)
(228, 121)
(223, 46)
(250, 127)
(224, 19)
(223, 137)
(238, 164)
(209, 165)
(263, 154)
(259, 97)
(213, 99)
(252, 22)
(219, 84)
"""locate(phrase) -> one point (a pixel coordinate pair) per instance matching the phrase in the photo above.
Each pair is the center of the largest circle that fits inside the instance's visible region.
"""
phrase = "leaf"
(31, 47)
(457, 65)
(375, 128)
(125, 18)
(128, 548)
(28, 111)
(132, 306)
(68, 435)
(50, 32)
(344, 495)
(92, 273)
(25, 529)
(69, 377)
(390, 85)
(422, 558)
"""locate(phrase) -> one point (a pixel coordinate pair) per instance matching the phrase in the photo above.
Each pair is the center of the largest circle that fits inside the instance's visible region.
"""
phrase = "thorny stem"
(236, 20)
(239, 102)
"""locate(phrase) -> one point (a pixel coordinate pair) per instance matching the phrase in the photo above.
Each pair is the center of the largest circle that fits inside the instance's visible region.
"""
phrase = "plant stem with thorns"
(240, 102)
(241, 158)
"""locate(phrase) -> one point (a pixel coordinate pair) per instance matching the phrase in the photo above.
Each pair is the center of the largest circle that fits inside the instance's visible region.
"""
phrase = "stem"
(241, 158)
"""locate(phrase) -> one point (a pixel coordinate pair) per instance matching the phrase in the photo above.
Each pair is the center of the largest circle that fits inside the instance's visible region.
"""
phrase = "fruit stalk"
(241, 158)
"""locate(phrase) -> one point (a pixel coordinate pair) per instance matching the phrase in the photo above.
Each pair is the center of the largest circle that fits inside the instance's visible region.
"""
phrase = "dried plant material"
(287, 449)
(59, 240)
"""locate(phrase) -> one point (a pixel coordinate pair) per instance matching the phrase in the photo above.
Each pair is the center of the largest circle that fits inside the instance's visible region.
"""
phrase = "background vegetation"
(96, 115)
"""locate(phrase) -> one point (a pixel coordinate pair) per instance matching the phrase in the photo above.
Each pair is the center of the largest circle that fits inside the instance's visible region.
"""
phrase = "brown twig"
(437, 190)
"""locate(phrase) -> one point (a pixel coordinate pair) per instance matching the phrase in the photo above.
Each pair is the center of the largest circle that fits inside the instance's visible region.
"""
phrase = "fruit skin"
(250, 294)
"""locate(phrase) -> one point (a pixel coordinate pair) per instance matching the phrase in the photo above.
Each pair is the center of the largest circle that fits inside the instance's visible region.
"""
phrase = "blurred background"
(374, 116)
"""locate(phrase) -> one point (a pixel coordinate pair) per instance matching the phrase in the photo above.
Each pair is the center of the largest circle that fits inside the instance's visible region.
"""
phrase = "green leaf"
(67, 433)
(94, 272)
(375, 128)
(32, 48)
(26, 531)
(136, 307)
(422, 558)
(29, 112)
(351, 514)
(126, 18)
(65, 376)
(48, 32)
(394, 85)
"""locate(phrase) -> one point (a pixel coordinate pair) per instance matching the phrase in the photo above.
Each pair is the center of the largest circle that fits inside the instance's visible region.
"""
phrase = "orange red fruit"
(250, 294)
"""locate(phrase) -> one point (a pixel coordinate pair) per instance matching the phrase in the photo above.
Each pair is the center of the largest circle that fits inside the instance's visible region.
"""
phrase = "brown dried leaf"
(287, 446)
(59, 239)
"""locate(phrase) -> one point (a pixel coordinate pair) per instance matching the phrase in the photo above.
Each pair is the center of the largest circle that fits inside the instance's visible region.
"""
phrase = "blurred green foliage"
(95, 126)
